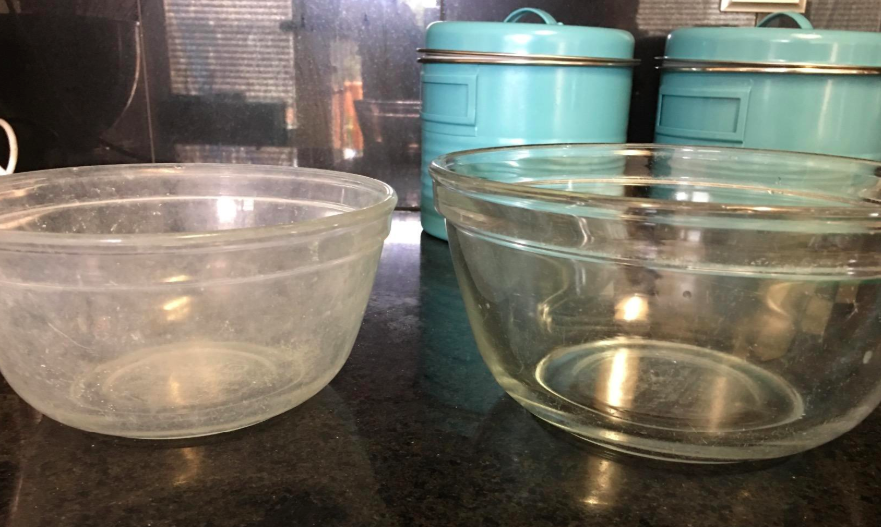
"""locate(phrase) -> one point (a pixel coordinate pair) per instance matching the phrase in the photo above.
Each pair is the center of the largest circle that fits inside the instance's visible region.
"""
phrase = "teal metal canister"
(488, 84)
(801, 89)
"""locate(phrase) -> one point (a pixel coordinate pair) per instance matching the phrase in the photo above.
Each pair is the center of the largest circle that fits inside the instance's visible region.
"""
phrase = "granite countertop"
(413, 431)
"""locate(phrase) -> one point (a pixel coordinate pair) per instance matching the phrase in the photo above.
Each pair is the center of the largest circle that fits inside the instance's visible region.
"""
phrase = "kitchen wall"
(318, 83)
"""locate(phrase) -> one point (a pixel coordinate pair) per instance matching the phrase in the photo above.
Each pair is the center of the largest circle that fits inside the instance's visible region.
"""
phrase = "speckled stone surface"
(413, 431)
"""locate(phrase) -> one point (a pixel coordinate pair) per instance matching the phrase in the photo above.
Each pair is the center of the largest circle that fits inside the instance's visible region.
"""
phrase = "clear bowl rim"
(386, 200)
(443, 175)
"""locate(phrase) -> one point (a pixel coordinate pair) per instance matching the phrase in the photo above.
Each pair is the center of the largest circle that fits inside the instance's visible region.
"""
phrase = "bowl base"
(659, 455)
(666, 400)
(671, 386)
(188, 389)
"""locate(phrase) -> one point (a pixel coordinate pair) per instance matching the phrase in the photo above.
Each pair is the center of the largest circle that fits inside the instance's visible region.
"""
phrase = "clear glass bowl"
(162, 301)
(690, 303)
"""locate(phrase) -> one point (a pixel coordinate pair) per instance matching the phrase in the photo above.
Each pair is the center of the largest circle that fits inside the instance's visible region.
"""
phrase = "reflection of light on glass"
(174, 391)
(248, 205)
(176, 304)
(177, 278)
(720, 402)
(777, 295)
(543, 314)
(632, 152)
(177, 309)
(349, 153)
(226, 210)
(615, 387)
(612, 437)
(632, 309)
(697, 196)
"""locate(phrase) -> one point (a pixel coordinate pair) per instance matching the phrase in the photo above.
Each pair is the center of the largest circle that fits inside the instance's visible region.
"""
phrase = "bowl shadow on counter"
(306, 466)
(451, 369)
(822, 486)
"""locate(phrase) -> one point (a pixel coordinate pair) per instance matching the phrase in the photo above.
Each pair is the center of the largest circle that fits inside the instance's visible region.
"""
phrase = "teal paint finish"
(781, 45)
(837, 114)
(550, 38)
(467, 106)
(825, 114)
(712, 113)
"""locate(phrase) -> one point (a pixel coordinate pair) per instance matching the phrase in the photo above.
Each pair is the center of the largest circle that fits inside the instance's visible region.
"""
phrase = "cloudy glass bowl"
(163, 301)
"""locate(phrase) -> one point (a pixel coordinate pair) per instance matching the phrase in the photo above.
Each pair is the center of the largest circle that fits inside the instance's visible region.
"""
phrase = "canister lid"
(804, 46)
(546, 41)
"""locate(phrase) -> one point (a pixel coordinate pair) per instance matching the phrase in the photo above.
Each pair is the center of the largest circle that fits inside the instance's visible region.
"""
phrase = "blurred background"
(318, 83)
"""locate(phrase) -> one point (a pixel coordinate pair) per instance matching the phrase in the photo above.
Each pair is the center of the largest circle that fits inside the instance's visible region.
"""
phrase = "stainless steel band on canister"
(449, 56)
(731, 66)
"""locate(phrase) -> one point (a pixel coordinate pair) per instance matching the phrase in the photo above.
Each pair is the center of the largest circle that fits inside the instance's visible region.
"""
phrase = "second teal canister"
(799, 89)
(487, 84)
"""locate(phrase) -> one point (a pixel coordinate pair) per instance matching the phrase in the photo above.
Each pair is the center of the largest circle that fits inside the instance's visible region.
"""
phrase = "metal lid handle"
(799, 19)
(13, 149)
(523, 11)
